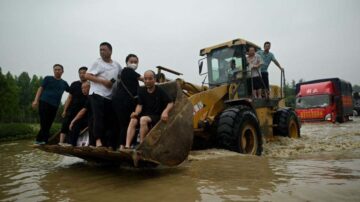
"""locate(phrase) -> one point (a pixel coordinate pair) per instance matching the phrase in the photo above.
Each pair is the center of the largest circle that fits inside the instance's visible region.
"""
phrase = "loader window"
(223, 65)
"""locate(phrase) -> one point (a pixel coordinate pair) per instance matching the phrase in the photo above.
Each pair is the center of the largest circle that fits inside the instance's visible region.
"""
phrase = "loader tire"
(238, 130)
(287, 123)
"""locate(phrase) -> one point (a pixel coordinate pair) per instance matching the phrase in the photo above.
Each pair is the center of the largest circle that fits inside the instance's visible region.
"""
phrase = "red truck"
(324, 100)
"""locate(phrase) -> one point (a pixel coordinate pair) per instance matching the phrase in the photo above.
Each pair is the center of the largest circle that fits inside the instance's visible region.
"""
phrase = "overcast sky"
(311, 39)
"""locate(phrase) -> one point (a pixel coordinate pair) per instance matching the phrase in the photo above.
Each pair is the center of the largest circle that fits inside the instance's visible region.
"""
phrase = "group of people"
(107, 100)
(258, 64)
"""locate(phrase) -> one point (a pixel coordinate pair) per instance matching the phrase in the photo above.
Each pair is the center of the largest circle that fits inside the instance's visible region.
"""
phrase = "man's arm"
(66, 106)
(137, 111)
(278, 65)
(37, 97)
(93, 78)
(165, 113)
(78, 116)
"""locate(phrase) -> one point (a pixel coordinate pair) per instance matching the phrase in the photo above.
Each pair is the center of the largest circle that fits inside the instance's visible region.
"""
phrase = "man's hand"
(63, 114)
(71, 125)
(164, 116)
(35, 104)
(134, 115)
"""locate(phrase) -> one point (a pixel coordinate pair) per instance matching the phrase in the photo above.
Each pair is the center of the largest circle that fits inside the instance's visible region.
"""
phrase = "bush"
(16, 131)
(12, 131)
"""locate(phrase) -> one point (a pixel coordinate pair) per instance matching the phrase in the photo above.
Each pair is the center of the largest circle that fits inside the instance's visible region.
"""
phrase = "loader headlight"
(328, 117)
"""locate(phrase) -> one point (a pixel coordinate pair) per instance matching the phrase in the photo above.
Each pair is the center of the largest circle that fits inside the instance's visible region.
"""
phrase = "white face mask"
(132, 66)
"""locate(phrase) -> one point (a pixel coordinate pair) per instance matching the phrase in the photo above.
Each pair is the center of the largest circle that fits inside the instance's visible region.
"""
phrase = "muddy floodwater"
(324, 165)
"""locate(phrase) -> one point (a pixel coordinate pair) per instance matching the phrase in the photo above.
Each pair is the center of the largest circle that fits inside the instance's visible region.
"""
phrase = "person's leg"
(97, 108)
(51, 114)
(77, 128)
(131, 131)
(111, 126)
(254, 90)
(257, 86)
(47, 115)
(42, 115)
(124, 120)
(65, 127)
(265, 78)
(144, 127)
(91, 131)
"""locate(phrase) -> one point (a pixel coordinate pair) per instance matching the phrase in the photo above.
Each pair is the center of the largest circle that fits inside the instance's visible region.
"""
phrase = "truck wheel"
(238, 130)
(287, 123)
(340, 119)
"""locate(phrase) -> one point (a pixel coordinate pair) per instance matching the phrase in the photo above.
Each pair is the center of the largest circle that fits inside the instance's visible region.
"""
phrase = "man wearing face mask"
(124, 98)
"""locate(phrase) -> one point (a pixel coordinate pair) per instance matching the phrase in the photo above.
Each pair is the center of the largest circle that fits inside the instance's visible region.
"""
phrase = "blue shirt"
(53, 90)
(267, 58)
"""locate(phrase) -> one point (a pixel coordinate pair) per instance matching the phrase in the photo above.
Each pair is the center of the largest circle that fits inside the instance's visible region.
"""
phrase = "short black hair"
(83, 68)
(107, 44)
(151, 72)
(130, 56)
(267, 42)
(58, 65)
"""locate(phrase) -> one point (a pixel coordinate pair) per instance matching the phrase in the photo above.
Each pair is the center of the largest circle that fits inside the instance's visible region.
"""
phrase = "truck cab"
(324, 100)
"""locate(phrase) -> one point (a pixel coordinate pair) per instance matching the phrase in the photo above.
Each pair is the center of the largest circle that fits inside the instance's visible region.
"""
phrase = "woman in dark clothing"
(124, 98)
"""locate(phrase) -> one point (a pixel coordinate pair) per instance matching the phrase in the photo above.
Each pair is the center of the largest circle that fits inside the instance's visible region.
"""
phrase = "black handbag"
(134, 98)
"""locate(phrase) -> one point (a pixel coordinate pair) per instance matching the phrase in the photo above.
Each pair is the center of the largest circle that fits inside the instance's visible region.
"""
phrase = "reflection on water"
(324, 165)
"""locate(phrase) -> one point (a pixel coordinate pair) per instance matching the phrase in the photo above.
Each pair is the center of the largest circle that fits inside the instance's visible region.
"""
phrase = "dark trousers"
(77, 128)
(265, 78)
(123, 109)
(103, 119)
(47, 115)
(91, 129)
(70, 115)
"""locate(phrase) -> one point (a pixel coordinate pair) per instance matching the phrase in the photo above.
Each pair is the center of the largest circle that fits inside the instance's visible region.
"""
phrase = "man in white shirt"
(102, 75)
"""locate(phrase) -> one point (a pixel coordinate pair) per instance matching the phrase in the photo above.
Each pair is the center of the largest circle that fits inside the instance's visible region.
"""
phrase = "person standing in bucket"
(102, 75)
(48, 98)
(267, 57)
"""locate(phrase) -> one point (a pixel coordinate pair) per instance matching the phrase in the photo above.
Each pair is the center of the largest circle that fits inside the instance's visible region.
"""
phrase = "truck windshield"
(314, 101)
(222, 63)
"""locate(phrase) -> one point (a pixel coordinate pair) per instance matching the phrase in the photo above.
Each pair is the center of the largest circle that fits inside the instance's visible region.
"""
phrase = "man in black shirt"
(153, 104)
(82, 118)
(73, 104)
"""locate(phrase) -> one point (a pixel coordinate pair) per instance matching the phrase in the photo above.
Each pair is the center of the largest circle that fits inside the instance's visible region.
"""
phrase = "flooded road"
(324, 165)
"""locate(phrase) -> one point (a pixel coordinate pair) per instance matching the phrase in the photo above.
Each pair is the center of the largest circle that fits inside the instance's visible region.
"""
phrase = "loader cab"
(226, 64)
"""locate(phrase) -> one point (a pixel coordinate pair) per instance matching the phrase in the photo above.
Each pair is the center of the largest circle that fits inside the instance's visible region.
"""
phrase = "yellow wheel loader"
(225, 114)
(221, 113)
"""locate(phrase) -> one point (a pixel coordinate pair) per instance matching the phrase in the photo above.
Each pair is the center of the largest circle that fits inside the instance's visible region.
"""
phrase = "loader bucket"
(170, 143)
(166, 143)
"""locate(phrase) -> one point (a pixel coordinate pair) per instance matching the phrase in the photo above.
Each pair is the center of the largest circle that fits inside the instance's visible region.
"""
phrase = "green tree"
(289, 90)
(25, 95)
(9, 99)
(34, 85)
